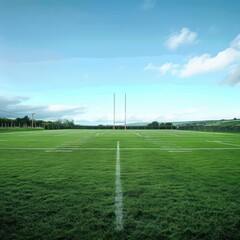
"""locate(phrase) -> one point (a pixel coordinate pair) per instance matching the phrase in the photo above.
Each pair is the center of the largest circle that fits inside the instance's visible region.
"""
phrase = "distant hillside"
(218, 123)
(224, 123)
(138, 124)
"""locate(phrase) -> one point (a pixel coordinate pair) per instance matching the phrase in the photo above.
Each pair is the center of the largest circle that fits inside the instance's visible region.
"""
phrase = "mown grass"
(169, 192)
(179, 199)
(17, 129)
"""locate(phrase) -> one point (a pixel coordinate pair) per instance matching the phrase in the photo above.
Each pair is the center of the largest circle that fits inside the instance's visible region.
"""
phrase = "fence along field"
(174, 185)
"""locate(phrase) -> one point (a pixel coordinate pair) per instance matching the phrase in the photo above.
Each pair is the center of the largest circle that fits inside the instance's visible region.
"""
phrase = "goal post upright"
(125, 112)
(125, 127)
(114, 111)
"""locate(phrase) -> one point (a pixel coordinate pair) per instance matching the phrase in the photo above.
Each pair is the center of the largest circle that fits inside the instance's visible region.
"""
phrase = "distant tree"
(4, 122)
(169, 125)
(153, 125)
(162, 126)
(23, 122)
(68, 123)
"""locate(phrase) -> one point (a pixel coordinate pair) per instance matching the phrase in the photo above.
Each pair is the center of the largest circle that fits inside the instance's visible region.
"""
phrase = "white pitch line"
(182, 149)
(137, 134)
(129, 149)
(63, 148)
(175, 135)
(58, 151)
(220, 142)
(119, 195)
(176, 151)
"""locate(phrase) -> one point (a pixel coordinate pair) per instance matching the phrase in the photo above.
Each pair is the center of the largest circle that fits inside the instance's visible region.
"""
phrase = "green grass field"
(175, 185)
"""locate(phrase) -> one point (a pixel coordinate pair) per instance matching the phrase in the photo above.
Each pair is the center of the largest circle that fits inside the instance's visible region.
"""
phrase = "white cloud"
(236, 42)
(163, 69)
(61, 111)
(61, 108)
(9, 101)
(206, 63)
(151, 66)
(233, 78)
(185, 36)
(148, 4)
(14, 106)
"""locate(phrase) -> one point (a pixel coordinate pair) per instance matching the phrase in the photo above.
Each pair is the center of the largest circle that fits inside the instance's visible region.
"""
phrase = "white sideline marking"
(175, 135)
(62, 148)
(99, 134)
(180, 151)
(139, 135)
(114, 149)
(220, 142)
(118, 196)
(58, 150)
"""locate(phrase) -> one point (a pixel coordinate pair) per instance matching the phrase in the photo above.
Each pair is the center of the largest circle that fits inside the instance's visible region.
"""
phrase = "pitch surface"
(174, 185)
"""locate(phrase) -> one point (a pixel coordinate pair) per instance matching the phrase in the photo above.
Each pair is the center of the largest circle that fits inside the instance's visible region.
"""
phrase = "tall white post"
(125, 112)
(32, 118)
(114, 111)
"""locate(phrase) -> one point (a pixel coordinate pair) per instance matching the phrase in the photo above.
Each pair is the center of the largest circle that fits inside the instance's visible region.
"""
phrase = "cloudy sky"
(176, 60)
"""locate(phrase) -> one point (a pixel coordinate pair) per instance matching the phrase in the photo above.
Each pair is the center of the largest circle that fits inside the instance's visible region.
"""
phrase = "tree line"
(27, 122)
(157, 125)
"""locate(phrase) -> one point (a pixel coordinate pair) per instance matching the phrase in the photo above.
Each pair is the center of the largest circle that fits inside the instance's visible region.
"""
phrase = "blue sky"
(176, 60)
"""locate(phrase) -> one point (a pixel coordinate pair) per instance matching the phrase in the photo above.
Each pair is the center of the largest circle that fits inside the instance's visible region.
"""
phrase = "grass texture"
(175, 185)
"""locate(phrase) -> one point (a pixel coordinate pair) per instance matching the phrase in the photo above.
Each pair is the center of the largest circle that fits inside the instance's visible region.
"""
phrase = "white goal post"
(114, 113)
